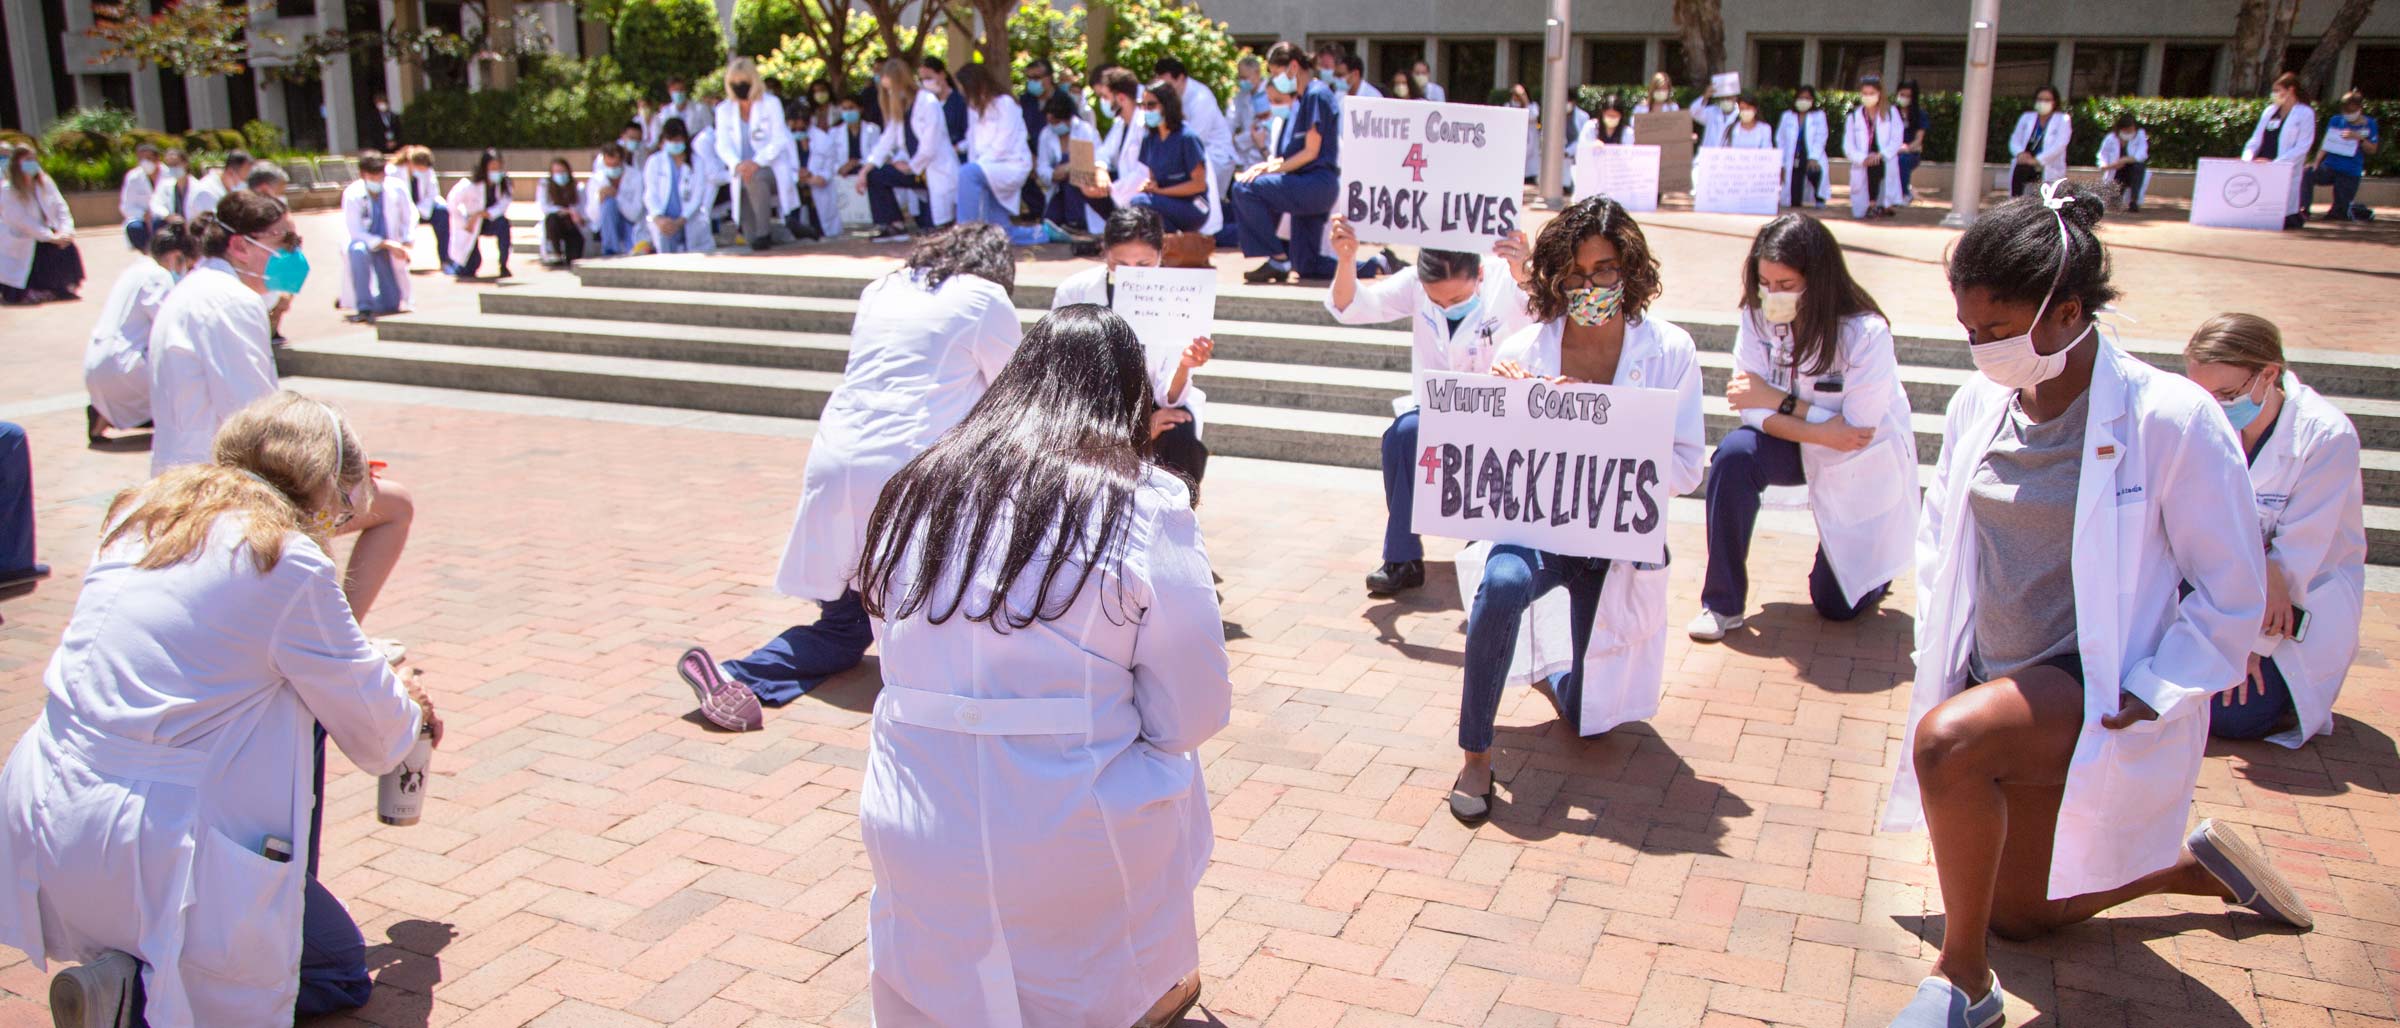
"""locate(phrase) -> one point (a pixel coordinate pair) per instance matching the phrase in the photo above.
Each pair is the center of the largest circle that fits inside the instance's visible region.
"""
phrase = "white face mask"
(1778, 308)
(1659, 95)
(2044, 107)
(2013, 362)
(1803, 104)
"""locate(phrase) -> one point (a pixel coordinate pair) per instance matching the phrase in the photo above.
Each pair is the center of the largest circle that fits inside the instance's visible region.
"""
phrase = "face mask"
(1036, 88)
(1779, 308)
(1419, 79)
(1594, 305)
(1749, 117)
(1460, 310)
(560, 177)
(236, 187)
(1060, 130)
(741, 90)
(2044, 107)
(1659, 95)
(382, 108)
(1803, 104)
(1325, 74)
(2013, 362)
(1284, 83)
(1610, 120)
(1153, 119)
(676, 97)
(674, 148)
(149, 167)
(613, 171)
(1279, 110)
(849, 117)
(2241, 410)
(1869, 98)
(2125, 134)
(1340, 88)
(170, 174)
(821, 97)
(285, 270)
(1901, 102)
(374, 186)
(1726, 106)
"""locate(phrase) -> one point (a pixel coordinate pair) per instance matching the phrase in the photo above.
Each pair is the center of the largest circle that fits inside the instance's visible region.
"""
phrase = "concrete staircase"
(741, 336)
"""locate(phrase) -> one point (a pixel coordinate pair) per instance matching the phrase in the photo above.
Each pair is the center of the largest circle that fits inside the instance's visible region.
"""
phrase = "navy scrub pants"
(804, 656)
(1308, 197)
(1746, 463)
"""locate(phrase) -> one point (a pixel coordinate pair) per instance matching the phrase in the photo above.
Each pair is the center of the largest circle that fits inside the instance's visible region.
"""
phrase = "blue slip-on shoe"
(1939, 1004)
(2252, 880)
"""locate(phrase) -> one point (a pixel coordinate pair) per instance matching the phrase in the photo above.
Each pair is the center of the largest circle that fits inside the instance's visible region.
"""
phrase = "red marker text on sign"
(1432, 463)
(1415, 161)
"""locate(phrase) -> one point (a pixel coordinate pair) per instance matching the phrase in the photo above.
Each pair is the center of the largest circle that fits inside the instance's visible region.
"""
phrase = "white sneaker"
(1710, 626)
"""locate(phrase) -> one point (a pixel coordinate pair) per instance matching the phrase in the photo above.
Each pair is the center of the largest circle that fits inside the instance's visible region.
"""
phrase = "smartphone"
(2299, 625)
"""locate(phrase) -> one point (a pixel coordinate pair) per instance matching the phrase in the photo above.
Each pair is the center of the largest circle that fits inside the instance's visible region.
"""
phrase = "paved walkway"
(593, 857)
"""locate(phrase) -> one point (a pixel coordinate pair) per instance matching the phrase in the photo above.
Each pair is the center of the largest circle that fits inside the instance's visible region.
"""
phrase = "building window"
(2295, 55)
(1842, 62)
(1778, 65)
(1935, 67)
(1468, 68)
(1529, 68)
(2021, 69)
(2106, 69)
(1670, 60)
(2376, 73)
(295, 8)
(116, 90)
(1612, 62)
(1387, 58)
(2188, 70)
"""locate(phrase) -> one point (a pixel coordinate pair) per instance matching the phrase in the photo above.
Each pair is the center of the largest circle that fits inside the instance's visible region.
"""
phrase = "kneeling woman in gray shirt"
(2063, 677)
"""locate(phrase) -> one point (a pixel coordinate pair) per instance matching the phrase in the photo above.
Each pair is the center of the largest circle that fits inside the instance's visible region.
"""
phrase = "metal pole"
(1974, 113)
(1557, 113)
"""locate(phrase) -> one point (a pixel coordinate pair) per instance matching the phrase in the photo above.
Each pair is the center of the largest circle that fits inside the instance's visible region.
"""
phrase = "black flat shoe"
(23, 576)
(91, 425)
(1395, 576)
(1266, 273)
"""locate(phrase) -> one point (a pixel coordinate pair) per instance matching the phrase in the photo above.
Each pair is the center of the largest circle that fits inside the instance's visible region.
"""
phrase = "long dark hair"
(972, 248)
(1805, 245)
(975, 82)
(1170, 109)
(560, 196)
(1055, 448)
(1553, 258)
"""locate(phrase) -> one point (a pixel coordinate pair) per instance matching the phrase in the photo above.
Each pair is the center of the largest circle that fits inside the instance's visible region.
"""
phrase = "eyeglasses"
(1607, 274)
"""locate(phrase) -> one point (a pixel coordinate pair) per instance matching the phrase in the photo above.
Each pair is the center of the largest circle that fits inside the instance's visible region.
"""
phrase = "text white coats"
(770, 147)
(2311, 510)
(2291, 146)
(209, 357)
(116, 363)
(996, 142)
(175, 741)
(2163, 499)
(1865, 501)
(399, 226)
(1091, 285)
(466, 200)
(678, 189)
(2114, 148)
(1624, 664)
(933, 157)
(2053, 152)
(1802, 137)
(1033, 808)
(919, 359)
(1890, 130)
(133, 197)
(1499, 315)
(28, 217)
(1054, 153)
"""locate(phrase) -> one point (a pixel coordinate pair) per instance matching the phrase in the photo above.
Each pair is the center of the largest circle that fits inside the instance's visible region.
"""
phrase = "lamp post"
(1556, 112)
(1974, 113)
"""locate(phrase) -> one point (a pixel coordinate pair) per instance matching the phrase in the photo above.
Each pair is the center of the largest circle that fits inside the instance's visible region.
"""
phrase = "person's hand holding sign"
(1511, 248)
(1509, 369)
(1198, 353)
(1345, 239)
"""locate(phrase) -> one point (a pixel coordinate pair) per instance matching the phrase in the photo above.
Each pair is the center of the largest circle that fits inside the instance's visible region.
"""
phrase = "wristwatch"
(1789, 401)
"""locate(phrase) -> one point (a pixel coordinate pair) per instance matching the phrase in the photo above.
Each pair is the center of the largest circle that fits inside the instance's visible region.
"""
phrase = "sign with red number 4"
(1442, 175)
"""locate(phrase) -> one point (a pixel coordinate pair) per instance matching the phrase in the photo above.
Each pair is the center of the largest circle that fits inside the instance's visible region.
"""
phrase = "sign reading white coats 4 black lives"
(1449, 176)
(1572, 469)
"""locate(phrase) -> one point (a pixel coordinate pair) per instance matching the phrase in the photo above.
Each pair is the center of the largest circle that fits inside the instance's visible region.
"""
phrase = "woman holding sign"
(1134, 238)
(1818, 391)
(2089, 573)
(1459, 316)
(1588, 281)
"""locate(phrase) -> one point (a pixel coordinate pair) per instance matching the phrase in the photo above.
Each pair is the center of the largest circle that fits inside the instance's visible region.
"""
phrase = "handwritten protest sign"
(2242, 194)
(1725, 84)
(1737, 181)
(1626, 174)
(1440, 175)
(1167, 307)
(1573, 469)
(1671, 132)
(1080, 170)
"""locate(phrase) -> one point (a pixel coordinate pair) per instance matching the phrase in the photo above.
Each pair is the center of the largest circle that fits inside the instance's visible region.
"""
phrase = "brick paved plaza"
(594, 856)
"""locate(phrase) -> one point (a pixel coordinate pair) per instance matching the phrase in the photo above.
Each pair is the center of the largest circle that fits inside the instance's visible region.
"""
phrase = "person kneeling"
(1134, 238)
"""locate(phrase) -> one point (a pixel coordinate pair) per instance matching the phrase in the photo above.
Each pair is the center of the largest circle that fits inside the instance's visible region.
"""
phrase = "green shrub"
(1145, 30)
(105, 122)
(557, 103)
(72, 174)
(759, 26)
(1038, 29)
(259, 137)
(161, 140)
(655, 40)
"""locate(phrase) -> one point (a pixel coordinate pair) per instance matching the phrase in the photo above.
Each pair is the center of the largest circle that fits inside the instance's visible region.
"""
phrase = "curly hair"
(1554, 258)
(970, 248)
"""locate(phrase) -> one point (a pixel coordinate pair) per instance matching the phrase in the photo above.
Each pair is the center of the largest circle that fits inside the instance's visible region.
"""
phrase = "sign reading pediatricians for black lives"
(1449, 176)
(1573, 469)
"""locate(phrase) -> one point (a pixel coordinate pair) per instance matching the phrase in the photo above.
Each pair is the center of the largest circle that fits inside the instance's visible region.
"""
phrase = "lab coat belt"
(120, 757)
(973, 715)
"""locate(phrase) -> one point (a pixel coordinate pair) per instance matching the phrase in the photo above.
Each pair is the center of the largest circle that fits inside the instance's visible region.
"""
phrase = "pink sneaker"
(727, 705)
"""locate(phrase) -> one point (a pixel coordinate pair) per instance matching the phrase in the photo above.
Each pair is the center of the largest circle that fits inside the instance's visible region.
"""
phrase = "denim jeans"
(2345, 192)
(977, 204)
(804, 656)
(16, 500)
(438, 216)
(333, 955)
(374, 288)
(1400, 541)
(616, 231)
(1513, 578)
(1746, 463)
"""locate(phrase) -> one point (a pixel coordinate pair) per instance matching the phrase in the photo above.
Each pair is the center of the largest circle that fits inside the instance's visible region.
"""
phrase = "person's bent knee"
(1837, 608)
(1949, 743)
(1507, 578)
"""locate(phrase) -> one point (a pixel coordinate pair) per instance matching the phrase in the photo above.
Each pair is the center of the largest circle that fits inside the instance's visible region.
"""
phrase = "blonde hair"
(1660, 80)
(273, 459)
(895, 86)
(2244, 341)
(412, 154)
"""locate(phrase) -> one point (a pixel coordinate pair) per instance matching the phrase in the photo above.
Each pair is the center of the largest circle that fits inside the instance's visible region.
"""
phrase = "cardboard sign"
(1442, 175)
(1731, 181)
(1573, 469)
(2230, 193)
(1671, 133)
(1626, 174)
(1081, 163)
(1167, 307)
(1725, 84)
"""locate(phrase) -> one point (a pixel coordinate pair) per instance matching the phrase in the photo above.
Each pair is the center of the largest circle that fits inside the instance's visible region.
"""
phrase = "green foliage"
(108, 121)
(191, 38)
(559, 103)
(655, 40)
(259, 137)
(796, 62)
(1038, 29)
(1145, 30)
(759, 26)
(105, 171)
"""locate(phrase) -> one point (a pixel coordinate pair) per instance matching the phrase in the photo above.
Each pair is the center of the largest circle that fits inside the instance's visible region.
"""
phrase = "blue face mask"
(1153, 119)
(676, 97)
(1284, 83)
(29, 167)
(674, 148)
(1279, 110)
(1036, 88)
(2241, 411)
(1340, 88)
(1062, 129)
(560, 177)
(1463, 309)
(613, 171)
(849, 117)
(285, 270)
(1325, 74)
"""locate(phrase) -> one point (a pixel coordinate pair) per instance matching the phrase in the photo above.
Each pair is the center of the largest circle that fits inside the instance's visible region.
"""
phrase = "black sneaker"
(1266, 273)
(1395, 576)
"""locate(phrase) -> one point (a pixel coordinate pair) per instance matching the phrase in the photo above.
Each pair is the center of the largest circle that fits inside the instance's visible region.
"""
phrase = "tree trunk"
(1702, 25)
(2317, 75)
(1098, 48)
(2261, 30)
(994, 41)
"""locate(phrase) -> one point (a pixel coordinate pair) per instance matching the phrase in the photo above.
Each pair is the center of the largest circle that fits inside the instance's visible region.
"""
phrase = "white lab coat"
(919, 359)
(1054, 153)
(2138, 151)
(934, 158)
(996, 142)
(628, 196)
(1712, 124)
(171, 197)
(465, 201)
(424, 191)
(691, 204)
(1435, 92)
(116, 363)
(1757, 135)
(770, 147)
(2311, 510)
(697, 118)
(1642, 106)
(25, 220)
(2291, 147)
(1091, 286)
(1865, 502)
(1121, 150)
(1533, 142)
(1588, 131)
(1433, 347)
(1803, 137)
(1891, 131)
(204, 194)
(399, 225)
(177, 739)
(1624, 664)
(1033, 809)
(1203, 118)
(828, 150)
(133, 197)
(2163, 499)
(209, 357)
(2053, 154)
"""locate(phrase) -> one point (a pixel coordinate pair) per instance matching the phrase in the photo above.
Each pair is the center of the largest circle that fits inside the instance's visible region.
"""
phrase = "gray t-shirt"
(2023, 500)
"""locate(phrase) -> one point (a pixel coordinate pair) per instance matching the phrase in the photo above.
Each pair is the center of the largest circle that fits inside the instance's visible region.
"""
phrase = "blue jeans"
(438, 216)
(16, 500)
(2258, 718)
(497, 228)
(1308, 197)
(137, 235)
(1513, 578)
(333, 955)
(616, 231)
(1181, 213)
(2345, 191)
(1908, 167)
(1747, 462)
(791, 664)
(373, 286)
(977, 204)
(1400, 542)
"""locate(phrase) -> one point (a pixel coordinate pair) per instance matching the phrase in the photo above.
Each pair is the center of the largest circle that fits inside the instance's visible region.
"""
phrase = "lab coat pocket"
(2133, 527)
(1633, 606)
(1858, 487)
(243, 924)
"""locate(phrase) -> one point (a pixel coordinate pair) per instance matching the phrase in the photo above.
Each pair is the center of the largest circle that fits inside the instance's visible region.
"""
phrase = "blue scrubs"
(1173, 161)
(1307, 195)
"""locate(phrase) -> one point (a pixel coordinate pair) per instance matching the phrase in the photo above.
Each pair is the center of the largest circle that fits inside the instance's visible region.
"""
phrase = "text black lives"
(1558, 486)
